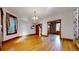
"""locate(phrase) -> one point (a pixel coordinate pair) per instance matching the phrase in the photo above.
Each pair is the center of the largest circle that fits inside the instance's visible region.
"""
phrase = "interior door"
(37, 29)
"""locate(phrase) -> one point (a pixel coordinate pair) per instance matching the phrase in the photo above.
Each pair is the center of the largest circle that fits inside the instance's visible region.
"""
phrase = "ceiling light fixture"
(35, 18)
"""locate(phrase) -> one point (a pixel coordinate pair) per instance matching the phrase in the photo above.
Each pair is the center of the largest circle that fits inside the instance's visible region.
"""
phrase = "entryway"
(54, 27)
(39, 29)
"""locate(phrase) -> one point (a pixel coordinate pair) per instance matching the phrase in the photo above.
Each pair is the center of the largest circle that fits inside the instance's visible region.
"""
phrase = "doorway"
(39, 29)
(54, 27)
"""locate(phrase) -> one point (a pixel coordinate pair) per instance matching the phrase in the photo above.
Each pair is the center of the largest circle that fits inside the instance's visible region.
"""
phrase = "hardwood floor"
(36, 43)
(68, 45)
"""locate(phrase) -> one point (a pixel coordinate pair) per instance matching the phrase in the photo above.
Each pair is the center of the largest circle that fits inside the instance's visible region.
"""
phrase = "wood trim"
(2, 26)
(7, 15)
(17, 37)
(55, 21)
(10, 39)
(45, 35)
(11, 15)
(40, 25)
(30, 34)
(67, 39)
(41, 28)
(1, 18)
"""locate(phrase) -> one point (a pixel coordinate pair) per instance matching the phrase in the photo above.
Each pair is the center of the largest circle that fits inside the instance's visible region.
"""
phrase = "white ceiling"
(41, 11)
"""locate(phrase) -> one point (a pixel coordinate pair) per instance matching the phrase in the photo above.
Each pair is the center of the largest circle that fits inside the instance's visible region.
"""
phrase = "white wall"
(67, 24)
(24, 27)
(44, 26)
(6, 37)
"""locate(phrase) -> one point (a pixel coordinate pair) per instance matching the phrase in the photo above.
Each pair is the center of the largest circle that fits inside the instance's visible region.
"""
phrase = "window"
(11, 24)
(58, 27)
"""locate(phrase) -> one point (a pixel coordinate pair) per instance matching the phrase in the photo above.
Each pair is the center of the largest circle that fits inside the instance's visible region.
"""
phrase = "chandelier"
(35, 18)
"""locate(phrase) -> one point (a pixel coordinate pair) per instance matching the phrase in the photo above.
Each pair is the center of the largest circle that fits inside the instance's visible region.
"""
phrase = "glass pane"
(58, 27)
(12, 25)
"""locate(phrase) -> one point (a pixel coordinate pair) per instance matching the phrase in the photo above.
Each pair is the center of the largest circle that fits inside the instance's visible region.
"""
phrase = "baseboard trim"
(31, 34)
(67, 39)
(44, 35)
(17, 37)
(11, 39)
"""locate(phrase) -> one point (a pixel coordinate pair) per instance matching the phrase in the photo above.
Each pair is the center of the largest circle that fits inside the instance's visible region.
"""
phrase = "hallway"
(36, 43)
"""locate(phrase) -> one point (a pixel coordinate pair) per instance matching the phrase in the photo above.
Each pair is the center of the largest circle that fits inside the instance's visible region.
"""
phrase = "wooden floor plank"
(36, 43)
